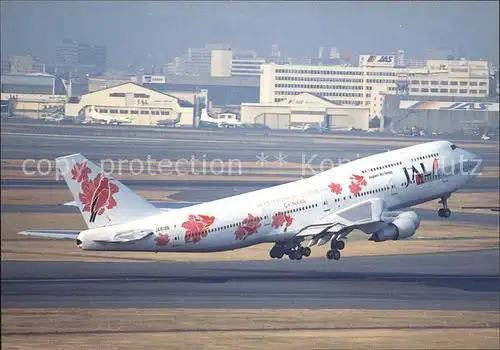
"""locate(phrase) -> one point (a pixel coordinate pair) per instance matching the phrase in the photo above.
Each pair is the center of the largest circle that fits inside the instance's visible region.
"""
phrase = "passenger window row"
(387, 166)
(225, 227)
(425, 157)
(297, 209)
(378, 190)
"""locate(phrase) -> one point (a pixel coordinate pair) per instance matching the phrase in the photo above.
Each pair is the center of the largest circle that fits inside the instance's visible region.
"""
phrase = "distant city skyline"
(145, 33)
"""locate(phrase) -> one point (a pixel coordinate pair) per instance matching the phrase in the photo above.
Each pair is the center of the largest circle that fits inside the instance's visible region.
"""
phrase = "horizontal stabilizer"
(59, 234)
(128, 236)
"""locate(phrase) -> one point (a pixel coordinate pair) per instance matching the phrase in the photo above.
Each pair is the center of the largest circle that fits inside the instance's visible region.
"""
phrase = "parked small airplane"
(225, 120)
(363, 194)
(169, 122)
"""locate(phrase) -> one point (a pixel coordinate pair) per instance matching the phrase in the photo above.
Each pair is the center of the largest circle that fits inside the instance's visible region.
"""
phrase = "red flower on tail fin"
(80, 172)
(97, 195)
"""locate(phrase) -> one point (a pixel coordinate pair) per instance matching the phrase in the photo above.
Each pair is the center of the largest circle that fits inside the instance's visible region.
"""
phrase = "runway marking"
(328, 276)
(412, 328)
(122, 138)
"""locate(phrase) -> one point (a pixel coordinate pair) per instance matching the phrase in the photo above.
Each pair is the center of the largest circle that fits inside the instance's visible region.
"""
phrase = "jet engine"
(403, 226)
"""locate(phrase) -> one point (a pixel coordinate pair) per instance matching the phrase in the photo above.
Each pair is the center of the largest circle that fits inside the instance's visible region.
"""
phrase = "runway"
(451, 281)
(38, 141)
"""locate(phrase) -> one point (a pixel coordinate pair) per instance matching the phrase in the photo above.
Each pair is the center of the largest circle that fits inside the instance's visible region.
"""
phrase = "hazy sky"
(131, 30)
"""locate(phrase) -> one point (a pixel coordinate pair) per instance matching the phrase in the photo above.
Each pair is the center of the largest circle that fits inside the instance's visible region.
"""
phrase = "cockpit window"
(453, 146)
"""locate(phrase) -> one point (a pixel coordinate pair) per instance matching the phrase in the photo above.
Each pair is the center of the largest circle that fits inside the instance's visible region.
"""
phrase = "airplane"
(370, 194)
(169, 122)
(223, 121)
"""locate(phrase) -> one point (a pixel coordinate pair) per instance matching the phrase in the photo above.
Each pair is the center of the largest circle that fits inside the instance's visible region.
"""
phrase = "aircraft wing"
(48, 233)
(361, 214)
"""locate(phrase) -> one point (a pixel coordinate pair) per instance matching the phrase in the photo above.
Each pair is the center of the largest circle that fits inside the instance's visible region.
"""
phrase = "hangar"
(129, 103)
(445, 117)
(306, 108)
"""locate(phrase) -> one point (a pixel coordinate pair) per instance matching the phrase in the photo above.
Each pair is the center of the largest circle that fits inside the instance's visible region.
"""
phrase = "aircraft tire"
(446, 213)
(306, 251)
(329, 255)
(336, 254)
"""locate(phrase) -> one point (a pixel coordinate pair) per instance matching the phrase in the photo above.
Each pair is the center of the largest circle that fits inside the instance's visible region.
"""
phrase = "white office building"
(374, 77)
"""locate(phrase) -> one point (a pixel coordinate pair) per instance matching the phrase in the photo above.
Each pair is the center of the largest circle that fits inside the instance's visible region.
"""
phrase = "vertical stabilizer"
(101, 198)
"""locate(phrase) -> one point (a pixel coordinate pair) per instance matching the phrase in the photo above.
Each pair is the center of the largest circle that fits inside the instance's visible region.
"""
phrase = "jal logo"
(469, 106)
(386, 59)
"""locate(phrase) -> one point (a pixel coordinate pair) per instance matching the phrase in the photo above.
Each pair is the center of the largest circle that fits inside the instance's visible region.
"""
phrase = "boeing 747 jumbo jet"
(363, 194)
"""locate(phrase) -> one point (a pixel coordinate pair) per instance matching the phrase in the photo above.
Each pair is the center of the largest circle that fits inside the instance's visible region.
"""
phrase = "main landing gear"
(336, 247)
(294, 251)
(444, 212)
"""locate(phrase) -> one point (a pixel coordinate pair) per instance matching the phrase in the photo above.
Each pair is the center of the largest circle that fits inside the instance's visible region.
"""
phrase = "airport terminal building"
(375, 76)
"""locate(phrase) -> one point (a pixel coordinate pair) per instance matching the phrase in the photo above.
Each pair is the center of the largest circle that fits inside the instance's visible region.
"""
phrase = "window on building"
(424, 90)
(482, 91)
(463, 91)
(123, 111)
(103, 111)
(414, 82)
(434, 82)
(434, 90)
(473, 83)
(443, 82)
(113, 111)
(463, 83)
(134, 112)
(444, 90)
(414, 90)
(453, 91)
(473, 91)
(144, 112)
(141, 95)
(117, 94)
(454, 83)
(165, 113)
(483, 83)
(424, 82)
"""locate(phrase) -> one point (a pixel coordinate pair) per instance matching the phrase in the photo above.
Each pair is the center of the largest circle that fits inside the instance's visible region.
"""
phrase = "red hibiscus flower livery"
(97, 195)
(335, 188)
(80, 172)
(251, 225)
(162, 239)
(280, 219)
(196, 227)
(357, 184)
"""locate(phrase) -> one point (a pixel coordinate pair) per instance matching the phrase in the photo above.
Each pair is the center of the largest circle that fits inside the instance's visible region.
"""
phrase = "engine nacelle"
(404, 226)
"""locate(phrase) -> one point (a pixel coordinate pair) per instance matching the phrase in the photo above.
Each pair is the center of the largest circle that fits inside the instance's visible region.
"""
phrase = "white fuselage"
(277, 213)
